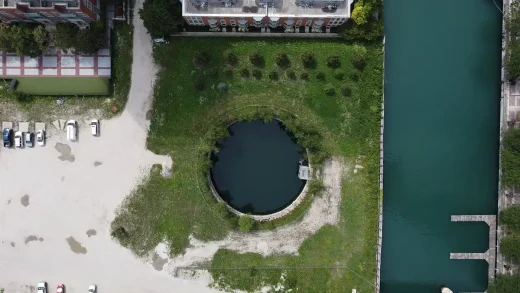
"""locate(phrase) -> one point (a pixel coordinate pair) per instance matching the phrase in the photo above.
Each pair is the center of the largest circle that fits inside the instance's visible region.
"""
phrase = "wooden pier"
(491, 253)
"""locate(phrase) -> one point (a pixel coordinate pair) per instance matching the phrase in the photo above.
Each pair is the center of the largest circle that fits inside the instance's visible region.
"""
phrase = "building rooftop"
(38, 3)
(271, 8)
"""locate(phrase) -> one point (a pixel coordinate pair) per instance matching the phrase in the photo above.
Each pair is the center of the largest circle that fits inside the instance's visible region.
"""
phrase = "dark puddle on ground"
(65, 152)
(75, 246)
(91, 232)
(97, 163)
(158, 262)
(32, 238)
(62, 178)
(25, 200)
(13, 244)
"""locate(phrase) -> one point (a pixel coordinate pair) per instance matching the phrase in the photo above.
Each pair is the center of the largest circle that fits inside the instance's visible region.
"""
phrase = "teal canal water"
(442, 93)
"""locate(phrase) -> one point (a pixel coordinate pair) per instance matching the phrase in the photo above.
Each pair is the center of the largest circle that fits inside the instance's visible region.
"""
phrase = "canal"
(442, 93)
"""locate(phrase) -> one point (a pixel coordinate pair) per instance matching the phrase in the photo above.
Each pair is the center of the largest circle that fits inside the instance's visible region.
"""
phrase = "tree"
(308, 59)
(6, 38)
(282, 59)
(361, 12)
(510, 158)
(41, 37)
(513, 21)
(65, 35)
(510, 216)
(510, 247)
(513, 59)
(24, 43)
(161, 17)
(359, 56)
(246, 223)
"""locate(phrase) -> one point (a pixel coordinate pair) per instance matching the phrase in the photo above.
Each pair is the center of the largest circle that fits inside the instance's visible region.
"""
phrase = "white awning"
(242, 21)
(318, 22)
(212, 21)
(274, 19)
(257, 18)
(289, 22)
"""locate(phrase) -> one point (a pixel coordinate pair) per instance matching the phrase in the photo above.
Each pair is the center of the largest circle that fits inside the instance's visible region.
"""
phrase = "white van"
(71, 130)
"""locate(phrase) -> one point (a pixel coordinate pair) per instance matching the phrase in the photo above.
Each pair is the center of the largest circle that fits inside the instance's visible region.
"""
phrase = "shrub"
(256, 58)
(304, 76)
(244, 72)
(273, 75)
(199, 85)
(257, 73)
(231, 57)
(315, 187)
(201, 59)
(291, 74)
(228, 72)
(282, 59)
(320, 75)
(330, 90)
(246, 223)
(339, 75)
(333, 61)
(510, 216)
(346, 91)
(511, 158)
(308, 60)
(359, 56)
(505, 284)
(354, 76)
(510, 247)
(120, 234)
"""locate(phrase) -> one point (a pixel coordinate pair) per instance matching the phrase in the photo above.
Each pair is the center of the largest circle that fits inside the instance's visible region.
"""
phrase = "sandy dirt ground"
(57, 201)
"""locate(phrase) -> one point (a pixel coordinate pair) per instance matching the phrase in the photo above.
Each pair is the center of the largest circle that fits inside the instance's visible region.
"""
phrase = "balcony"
(311, 8)
(39, 3)
(222, 8)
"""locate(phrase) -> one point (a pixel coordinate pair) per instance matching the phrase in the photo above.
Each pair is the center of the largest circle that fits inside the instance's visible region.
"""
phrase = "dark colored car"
(7, 137)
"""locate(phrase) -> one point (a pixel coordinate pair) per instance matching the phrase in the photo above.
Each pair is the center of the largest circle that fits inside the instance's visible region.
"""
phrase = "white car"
(92, 288)
(71, 130)
(40, 137)
(18, 139)
(29, 138)
(94, 127)
(42, 287)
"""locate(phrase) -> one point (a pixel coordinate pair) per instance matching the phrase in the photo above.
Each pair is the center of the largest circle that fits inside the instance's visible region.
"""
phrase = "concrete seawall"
(380, 199)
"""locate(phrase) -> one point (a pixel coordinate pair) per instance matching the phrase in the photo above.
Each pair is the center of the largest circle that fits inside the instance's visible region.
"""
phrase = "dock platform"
(491, 253)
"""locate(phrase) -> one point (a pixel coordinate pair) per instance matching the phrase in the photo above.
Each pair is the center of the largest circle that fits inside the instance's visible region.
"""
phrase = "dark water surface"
(256, 170)
(442, 94)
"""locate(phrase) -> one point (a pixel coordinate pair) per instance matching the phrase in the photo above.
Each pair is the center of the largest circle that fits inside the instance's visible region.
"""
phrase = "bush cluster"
(308, 60)
(201, 59)
(333, 61)
(256, 58)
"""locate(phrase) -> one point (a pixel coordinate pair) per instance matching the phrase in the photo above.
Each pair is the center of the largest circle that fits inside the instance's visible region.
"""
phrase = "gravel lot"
(57, 201)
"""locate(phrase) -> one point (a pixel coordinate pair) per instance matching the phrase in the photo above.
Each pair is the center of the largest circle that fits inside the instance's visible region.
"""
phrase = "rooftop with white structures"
(270, 8)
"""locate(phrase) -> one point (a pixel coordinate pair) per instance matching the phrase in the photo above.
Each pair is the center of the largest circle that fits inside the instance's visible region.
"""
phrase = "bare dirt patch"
(65, 152)
(91, 232)
(76, 246)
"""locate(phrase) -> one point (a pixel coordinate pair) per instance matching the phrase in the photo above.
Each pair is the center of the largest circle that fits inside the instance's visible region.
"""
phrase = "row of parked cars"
(42, 288)
(19, 139)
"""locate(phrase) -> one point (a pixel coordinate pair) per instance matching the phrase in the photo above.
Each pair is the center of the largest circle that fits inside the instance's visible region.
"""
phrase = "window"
(232, 22)
(194, 20)
(89, 5)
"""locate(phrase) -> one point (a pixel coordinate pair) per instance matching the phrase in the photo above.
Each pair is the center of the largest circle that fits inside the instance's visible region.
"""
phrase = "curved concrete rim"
(268, 217)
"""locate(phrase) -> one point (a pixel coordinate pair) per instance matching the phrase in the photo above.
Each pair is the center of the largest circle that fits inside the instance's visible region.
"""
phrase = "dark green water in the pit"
(256, 169)
(442, 93)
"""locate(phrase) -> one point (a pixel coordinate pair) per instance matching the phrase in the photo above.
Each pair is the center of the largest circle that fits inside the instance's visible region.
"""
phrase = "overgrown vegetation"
(69, 37)
(505, 284)
(512, 62)
(511, 158)
(187, 121)
(366, 23)
(122, 63)
(24, 39)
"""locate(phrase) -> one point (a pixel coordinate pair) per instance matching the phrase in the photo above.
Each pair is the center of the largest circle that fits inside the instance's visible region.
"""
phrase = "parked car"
(60, 289)
(94, 127)
(7, 137)
(18, 139)
(71, 130)
(29, 139)
(40, 137)
(42, 287)
(92, 288)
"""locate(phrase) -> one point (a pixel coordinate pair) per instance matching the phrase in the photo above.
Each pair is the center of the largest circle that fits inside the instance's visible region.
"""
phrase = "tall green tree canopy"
(68, 36)
(511, 158)
(24, 39)
(505, 284)
(510, 216)
(161, 17)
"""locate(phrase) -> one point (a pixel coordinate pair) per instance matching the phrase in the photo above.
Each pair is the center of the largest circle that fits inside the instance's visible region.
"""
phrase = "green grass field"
(187, 104)
(63, 86)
